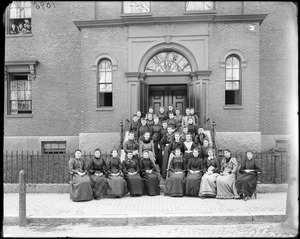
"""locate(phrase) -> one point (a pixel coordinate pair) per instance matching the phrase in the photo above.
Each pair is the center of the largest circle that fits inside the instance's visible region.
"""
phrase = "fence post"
(121, 134)
(213, 134)
(22, 199)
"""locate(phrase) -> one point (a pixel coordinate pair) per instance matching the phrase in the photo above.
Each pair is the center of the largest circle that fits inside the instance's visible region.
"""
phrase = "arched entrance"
(168, 74)
(168, 78)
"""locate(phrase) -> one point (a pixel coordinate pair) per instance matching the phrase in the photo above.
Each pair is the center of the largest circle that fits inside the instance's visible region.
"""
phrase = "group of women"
(96, 179)
(203, 177)
(162, 146)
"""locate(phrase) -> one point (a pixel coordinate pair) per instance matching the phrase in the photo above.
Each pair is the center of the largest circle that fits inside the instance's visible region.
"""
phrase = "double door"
(164, 95)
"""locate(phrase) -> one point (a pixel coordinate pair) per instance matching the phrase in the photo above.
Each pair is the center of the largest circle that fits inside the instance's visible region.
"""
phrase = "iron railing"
(53, 168)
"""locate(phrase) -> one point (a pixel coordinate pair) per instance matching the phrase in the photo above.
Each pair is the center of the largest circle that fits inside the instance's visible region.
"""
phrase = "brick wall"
(64, 91)
(113, 9)
(224, 7)
(224, 37)
(275, 68)
(56, 91)
(112, 41)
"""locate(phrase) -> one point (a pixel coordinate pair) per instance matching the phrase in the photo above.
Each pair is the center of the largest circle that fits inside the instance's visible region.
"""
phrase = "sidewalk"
(51, 208)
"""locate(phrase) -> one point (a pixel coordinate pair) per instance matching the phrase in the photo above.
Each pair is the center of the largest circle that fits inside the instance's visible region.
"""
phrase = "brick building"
(75, 70)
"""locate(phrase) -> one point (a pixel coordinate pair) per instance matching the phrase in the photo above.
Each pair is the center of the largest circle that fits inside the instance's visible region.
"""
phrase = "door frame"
(168, 90)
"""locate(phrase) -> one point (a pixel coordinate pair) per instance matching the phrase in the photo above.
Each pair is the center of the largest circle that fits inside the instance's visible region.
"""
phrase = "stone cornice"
(148, 19)
(132, 74)
(22, 62)
(21, 66)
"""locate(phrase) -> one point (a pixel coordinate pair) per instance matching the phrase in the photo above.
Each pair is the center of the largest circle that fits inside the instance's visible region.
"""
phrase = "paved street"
(86, 230)
(50, 204)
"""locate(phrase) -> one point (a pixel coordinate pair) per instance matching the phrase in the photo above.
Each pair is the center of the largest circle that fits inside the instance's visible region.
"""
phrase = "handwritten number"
(37, 6)
(48, 4)
(42, 4)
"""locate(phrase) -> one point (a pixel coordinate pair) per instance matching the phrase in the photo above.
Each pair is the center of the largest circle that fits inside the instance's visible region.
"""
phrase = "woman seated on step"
(146, 143)
(149, 174)
(131, 171)
(226, 180)
(247, 178)
(175, 183)
(97, 170)
(194, 170)
(117, 186)
(208, 184)
(80, 185)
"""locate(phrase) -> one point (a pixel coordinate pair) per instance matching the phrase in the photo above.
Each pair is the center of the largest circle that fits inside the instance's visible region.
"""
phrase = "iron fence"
(39, 168)
(53, 168)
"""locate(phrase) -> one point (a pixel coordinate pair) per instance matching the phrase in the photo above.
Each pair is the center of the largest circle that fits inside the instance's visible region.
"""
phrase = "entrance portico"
(181, 88)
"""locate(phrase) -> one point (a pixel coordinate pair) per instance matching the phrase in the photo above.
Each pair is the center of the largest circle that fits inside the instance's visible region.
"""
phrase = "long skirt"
(165, 162)
(117, 186)
(226, 186)
(151, 184)
(158, 153)
(192, 184)
(208, 186)
(135, 185)
(99, 185)
(80, 188)
(246, 183)
(187, 156)
(175, 185)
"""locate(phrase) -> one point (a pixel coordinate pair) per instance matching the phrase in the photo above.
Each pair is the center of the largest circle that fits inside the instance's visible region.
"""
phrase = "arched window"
(168, 62)
(104, 90)
(233, 80)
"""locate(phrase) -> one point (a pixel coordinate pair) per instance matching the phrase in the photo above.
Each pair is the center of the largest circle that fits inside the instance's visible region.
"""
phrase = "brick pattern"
(56, 91)
(225, 37)
(275, 63)
(112, 10)
(64, 91)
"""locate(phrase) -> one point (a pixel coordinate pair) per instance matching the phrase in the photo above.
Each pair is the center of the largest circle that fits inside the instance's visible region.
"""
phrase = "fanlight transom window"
(168, 62)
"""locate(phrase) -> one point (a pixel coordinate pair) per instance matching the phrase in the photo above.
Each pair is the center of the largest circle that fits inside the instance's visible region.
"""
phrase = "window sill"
(105, 109)
(233, 107)
(20, 116)
(200, 12)
(125, 15)
(18, 35)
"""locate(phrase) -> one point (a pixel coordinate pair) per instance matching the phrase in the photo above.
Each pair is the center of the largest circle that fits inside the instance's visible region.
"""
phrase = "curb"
(64, 188)
(164, 219)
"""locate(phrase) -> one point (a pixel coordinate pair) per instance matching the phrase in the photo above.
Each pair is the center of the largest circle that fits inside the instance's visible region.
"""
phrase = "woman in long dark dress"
(149, 174)
(80, 188)
(208, 185)
(176, 179)
(97, 170)
(194, 170)
(226, 180)
(247, 179)
(131, 171)
(166, 142)
(188, 145)
(117, 186)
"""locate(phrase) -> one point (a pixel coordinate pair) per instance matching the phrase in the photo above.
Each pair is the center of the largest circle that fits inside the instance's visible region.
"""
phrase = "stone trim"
(242, 55)
(146, 19)
(104, 55)
(21, 66)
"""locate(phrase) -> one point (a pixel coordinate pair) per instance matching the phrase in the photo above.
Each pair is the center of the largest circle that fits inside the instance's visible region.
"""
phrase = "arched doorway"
(168, 78)
(168, 74)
